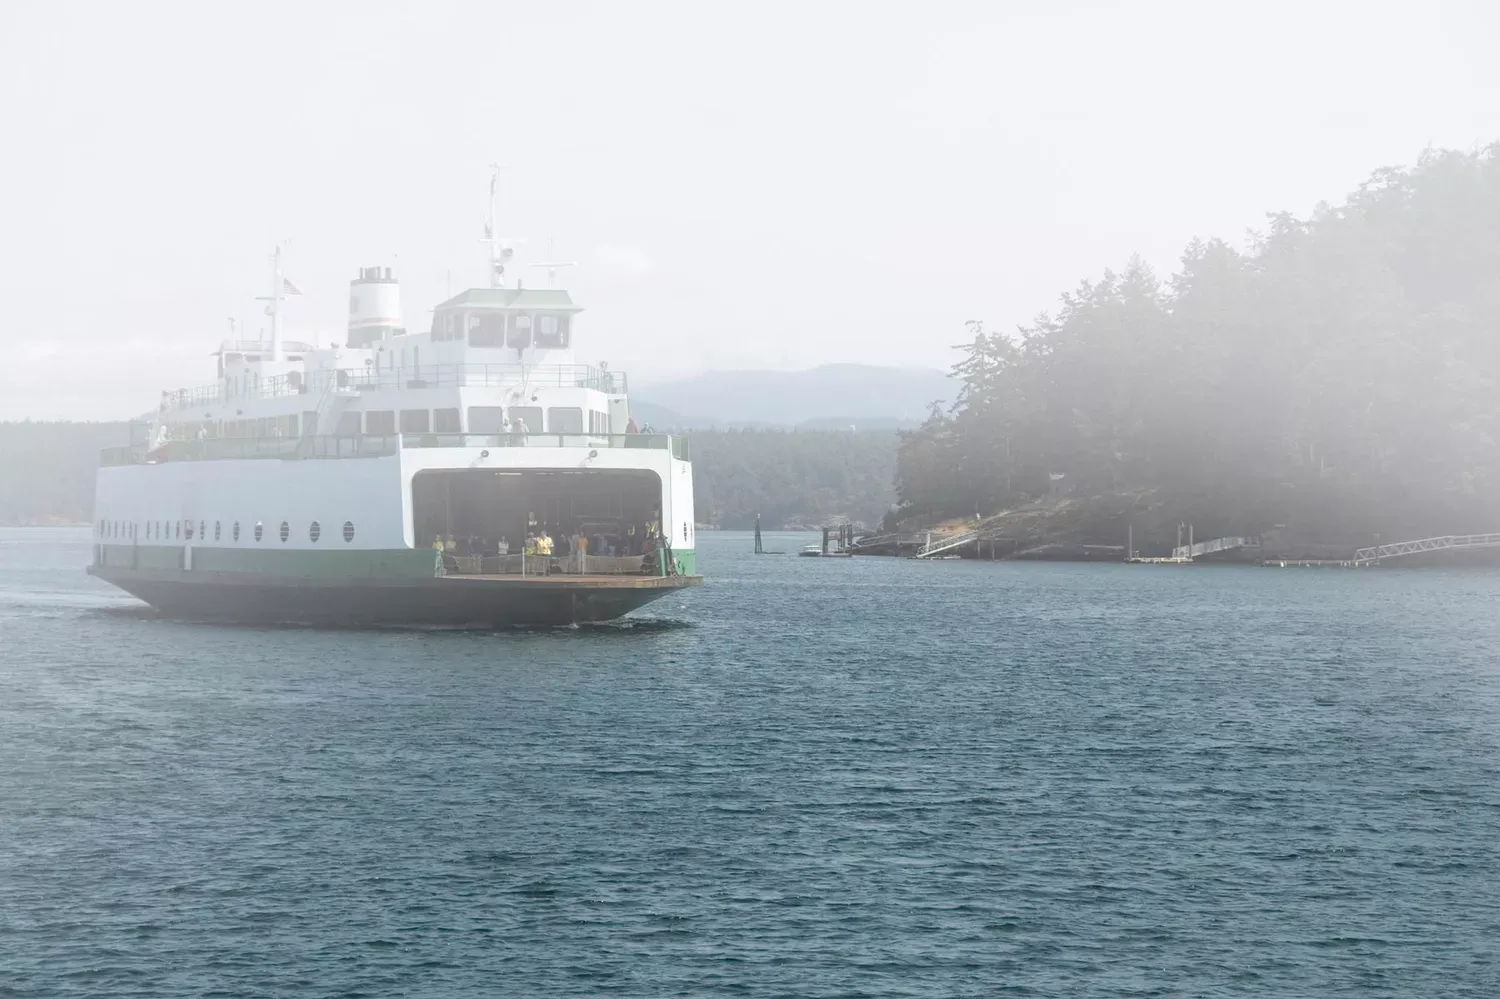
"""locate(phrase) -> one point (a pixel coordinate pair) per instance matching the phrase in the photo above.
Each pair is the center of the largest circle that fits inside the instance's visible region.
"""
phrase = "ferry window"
(565, 420)
(520, 332)
(445, 421)
(486, 419)
(598, 422)
(217, 525)
(285, 532)
(189, 531)
(487, 330)
(202, 535)
(177, 530)
(380, 422)
(348, 425)
(415, 421)
(452, 327)
(552, 331)
(260, 530)
(348, 530)
(236, 530)
(287, 426)
(314, 532)
(529, 415)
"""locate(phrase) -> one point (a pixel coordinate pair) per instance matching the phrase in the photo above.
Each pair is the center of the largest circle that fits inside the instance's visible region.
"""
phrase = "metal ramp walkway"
(1209, 547)
(1448, 542)
(947, 543)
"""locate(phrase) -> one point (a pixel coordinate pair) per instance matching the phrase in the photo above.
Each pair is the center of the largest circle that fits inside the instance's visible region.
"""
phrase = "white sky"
(743, 185)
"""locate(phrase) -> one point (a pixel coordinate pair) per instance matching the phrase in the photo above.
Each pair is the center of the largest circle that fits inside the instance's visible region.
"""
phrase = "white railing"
(397, 379)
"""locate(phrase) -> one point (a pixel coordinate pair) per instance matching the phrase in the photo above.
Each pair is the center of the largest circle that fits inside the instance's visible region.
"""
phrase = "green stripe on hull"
(391, 563)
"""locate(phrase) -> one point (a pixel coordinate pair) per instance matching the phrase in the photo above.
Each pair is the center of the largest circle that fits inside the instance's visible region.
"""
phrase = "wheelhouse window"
(565, 420)
(448, 326)
(415, 421)
(487, 329)
(552, 331)
(486, 419)
(520, 332)
(598, 422)
(446, 421)
(381, 421)
(529, 415)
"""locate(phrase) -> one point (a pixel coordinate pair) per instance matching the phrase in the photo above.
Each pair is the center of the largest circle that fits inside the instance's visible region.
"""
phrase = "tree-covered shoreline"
(1338, 376)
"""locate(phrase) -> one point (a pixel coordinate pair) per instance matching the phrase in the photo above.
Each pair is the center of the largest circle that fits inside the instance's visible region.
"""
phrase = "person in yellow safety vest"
(544, 544)
(437, 543)
(530, 544)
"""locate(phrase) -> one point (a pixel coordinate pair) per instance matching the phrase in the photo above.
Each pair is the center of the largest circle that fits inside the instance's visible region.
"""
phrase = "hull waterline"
(451, 601)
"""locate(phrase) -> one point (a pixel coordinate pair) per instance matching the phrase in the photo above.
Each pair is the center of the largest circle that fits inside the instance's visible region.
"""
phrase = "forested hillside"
(1340, 375)
(47, 469)
(799, 477)
(789, 477)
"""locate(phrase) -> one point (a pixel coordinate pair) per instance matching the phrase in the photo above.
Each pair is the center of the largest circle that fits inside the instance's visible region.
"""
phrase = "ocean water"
(808, 778)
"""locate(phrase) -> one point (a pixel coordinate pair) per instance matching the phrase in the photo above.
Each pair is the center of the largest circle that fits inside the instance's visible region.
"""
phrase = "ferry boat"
(472, 474)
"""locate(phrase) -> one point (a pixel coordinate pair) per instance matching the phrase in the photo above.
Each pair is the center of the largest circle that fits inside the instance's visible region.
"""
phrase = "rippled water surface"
(809, 778)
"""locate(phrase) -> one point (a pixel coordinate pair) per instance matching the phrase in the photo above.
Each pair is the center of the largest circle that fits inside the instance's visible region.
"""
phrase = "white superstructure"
(439, 451)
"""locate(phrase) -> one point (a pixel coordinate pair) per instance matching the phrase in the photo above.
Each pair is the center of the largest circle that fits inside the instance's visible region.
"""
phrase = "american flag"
(287, 288)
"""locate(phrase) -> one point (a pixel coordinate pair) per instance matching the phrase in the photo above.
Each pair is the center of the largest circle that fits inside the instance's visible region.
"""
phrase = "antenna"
(552, 266)
(273, 310)
(501, 250)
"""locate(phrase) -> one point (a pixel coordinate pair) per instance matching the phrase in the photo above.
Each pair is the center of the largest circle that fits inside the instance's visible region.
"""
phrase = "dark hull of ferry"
(444, 601)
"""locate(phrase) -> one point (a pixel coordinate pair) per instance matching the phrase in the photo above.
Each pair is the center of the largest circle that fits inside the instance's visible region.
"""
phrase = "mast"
(500, 250)
(274, 309)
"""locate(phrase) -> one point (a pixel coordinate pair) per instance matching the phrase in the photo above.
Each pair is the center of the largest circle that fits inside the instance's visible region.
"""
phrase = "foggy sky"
(749, 185)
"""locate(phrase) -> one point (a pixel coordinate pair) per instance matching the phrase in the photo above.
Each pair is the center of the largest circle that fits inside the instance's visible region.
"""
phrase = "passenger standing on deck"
(632, 427)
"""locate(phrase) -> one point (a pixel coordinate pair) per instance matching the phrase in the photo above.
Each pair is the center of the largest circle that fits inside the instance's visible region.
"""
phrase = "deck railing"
(374, 446)
(649, 564)
(421, 376)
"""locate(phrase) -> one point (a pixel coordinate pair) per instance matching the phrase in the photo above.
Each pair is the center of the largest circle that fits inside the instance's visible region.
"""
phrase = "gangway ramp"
(1447, 542)
(947, 543)
(1210, 547)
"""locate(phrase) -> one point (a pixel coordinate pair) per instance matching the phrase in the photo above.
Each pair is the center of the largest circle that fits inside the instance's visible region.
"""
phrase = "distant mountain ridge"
(831, 395)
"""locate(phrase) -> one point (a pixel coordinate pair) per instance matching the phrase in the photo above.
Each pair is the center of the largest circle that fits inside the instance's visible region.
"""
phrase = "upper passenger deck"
(373, 446)
(318, 382)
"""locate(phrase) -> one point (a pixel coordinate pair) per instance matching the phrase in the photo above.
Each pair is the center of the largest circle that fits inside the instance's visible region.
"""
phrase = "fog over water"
(776, 186)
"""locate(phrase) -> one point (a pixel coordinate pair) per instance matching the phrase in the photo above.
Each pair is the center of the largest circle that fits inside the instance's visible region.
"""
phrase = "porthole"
(314, 532)
(348, 530)
(285, 532)
(260, 530)
(236, 530)
(217, 526)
